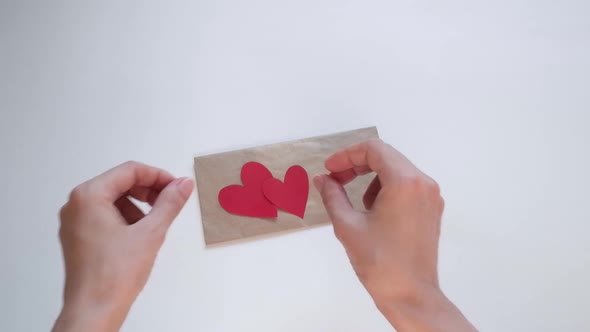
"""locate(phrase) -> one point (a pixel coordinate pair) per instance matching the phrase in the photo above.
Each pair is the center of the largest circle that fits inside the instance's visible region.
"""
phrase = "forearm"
(426, 310)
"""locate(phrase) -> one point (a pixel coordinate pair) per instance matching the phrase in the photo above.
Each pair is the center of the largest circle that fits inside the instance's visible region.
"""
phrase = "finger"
(113, 183)
(128, 210)
(371, 193)
(350, 174)
(347, 221)
(169, 203)
(375, 154)
(144, 194)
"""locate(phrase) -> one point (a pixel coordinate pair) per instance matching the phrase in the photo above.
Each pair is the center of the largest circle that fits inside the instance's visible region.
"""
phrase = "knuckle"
(65, 221)
(329, 195)
(175, 198)
(339, 233)
(157, 234)
(441, 203)
(131, 163)
(411, 183)
(433, 187)
(375, 143)
(79, 192)
(153, 231)
(420, 185)
(62, 231)
(63, 212)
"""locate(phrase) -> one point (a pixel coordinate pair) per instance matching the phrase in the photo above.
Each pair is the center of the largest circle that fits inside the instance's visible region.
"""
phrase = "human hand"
(393, 247)
(110, 245)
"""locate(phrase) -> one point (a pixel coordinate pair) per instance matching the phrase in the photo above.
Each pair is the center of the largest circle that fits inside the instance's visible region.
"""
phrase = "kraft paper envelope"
(214, 172)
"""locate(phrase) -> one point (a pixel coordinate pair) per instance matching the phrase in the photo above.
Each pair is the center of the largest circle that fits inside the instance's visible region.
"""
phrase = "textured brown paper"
(216, 171)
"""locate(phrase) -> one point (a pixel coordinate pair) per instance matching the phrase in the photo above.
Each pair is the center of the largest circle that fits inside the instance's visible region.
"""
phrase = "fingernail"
(318, 182)
(185, 185)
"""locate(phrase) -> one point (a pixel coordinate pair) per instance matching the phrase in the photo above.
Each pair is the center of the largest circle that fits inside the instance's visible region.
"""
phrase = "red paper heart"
(248, 200)
(290, 195)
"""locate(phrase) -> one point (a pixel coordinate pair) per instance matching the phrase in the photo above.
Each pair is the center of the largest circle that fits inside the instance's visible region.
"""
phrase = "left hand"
(110, 245)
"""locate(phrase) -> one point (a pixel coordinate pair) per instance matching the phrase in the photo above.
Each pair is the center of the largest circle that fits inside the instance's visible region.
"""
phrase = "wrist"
(417, 298)
(91, 316)
(424, 308)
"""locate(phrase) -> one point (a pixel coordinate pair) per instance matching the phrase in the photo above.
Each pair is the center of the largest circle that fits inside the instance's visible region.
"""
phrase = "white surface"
(490, 98)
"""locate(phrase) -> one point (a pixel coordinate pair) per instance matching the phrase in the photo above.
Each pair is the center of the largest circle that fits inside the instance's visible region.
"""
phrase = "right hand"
(393, 247)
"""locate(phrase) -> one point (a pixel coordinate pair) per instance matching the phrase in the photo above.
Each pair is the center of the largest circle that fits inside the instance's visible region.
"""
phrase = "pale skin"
(110, 246)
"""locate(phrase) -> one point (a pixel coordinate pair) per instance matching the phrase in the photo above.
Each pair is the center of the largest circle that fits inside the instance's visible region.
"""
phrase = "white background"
(491, 98)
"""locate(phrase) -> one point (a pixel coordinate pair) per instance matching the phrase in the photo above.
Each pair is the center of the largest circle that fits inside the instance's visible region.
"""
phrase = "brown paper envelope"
(217, 171)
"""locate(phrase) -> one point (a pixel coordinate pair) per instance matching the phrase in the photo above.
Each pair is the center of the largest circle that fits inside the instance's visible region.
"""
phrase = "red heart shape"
(290, 195)
(248, 200)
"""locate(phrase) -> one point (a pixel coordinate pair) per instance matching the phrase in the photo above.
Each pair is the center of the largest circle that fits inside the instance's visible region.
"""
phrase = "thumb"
(348, 222)
(170, 201)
